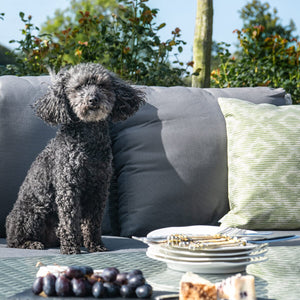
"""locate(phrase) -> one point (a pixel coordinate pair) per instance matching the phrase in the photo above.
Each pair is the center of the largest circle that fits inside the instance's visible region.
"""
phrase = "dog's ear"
(128, 99)
(53, 107)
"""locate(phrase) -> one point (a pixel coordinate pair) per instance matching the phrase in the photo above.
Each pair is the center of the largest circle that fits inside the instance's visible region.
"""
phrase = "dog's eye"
(77, 88)
(103, 85)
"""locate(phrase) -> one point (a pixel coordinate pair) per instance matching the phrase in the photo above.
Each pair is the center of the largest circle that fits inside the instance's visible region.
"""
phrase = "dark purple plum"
(112, 289)
(37, 286)
(49, 285)
(136, 280)
(127, 291)
(98, 289)
(110, 274)
(134, 272)
(144, 291)
(63, 286)
(79, 287)
(121, 278)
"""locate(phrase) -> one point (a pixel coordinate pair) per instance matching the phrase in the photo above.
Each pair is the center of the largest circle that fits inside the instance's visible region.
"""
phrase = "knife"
(273, 239)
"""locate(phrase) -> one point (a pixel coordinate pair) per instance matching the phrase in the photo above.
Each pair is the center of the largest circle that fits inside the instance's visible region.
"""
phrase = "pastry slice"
(194, 287)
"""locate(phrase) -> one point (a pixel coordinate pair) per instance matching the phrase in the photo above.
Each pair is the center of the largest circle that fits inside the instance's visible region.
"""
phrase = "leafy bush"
(263, 61)
(126, 43)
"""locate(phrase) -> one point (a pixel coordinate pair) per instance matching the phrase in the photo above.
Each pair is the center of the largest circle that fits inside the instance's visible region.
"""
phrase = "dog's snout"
(93, 101)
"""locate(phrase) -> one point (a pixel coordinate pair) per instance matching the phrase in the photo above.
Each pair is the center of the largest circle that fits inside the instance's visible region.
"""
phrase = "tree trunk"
(202, 43)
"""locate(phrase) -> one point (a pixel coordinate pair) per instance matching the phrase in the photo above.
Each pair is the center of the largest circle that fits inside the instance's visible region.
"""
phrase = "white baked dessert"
(238, 287)
(194, 287)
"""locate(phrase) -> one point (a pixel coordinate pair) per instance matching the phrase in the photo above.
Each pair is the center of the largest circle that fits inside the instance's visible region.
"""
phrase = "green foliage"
(263, 61)
(126, 43)
(268, 53)
(256, 13)
(34, 53)
(5, 56)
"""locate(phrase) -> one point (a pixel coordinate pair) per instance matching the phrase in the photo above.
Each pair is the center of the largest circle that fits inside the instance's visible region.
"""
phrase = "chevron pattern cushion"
(263, 165)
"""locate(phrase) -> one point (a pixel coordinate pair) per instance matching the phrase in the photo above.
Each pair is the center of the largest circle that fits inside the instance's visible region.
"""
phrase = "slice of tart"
(194, 287)
(238, 287)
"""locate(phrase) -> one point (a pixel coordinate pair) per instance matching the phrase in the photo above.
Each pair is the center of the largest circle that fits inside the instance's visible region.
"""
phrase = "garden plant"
(126, 43)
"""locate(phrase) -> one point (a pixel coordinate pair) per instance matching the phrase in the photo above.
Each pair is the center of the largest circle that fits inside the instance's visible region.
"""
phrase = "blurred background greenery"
(124, 36)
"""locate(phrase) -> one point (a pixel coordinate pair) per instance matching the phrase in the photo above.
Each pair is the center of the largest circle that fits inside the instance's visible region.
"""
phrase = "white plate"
(198, 230)
(189, 230)
(207, 267)
(193, 230)
(163, 254)
(179, 252)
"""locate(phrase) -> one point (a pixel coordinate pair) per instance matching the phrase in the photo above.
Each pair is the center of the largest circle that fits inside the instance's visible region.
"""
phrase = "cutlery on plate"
(197, 242)
(164, 239)
(233, 231)
(249, 238)
(274, 238)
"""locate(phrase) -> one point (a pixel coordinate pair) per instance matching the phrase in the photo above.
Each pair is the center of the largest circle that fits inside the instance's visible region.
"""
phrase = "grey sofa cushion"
(171, 159)
(22, 137)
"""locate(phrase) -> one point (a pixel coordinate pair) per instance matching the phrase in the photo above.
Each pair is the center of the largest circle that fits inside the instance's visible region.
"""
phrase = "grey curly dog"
(62, 198)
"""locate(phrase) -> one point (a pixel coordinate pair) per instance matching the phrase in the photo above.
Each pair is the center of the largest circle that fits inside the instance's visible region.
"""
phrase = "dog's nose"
(93, 101)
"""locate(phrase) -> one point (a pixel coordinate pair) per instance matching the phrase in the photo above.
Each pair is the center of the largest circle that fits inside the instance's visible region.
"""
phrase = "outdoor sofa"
(171, 162)
(170, 158)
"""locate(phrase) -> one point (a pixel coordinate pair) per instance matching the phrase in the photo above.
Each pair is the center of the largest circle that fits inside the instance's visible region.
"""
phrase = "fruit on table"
(81, 281)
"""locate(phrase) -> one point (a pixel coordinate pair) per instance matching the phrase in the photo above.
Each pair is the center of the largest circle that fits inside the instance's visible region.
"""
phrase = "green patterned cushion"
(263, 165)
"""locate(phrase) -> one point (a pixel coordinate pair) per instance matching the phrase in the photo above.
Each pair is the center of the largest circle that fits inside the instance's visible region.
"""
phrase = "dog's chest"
(84, 153)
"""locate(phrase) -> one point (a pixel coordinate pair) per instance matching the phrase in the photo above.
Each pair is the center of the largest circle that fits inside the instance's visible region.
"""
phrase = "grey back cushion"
(171, 160)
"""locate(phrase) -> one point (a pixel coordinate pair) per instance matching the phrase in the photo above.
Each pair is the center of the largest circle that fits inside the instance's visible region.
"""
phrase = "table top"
(277, 278)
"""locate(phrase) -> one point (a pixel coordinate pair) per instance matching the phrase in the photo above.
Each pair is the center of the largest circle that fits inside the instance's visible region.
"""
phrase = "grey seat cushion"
(171, 158)
(112, 243)
(122, 244)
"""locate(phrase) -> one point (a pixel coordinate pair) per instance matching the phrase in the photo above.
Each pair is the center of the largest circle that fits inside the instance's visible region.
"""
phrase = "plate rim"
(206, 264)
(207, 258)
(208, 252)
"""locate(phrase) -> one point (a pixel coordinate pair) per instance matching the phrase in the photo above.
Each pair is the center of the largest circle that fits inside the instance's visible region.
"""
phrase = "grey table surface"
(276, 278)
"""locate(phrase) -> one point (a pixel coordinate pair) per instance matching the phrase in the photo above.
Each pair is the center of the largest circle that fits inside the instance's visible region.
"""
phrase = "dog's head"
(87, 93)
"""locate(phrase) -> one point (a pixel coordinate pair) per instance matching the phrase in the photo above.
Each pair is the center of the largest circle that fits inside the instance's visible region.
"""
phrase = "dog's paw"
(70, 250)
(33, 245)
(98, 248)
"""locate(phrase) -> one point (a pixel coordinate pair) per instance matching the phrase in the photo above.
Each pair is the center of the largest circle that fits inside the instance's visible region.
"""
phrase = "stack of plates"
(213, 261)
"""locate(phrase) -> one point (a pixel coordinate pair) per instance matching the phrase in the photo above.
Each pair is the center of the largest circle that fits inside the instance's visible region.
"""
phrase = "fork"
(182, 238)
(234, 231)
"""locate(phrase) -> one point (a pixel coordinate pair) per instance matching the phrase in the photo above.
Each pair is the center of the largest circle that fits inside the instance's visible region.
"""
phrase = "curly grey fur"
(62, 198)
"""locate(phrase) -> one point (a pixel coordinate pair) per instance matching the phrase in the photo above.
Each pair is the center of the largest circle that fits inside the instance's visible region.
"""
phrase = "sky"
(175, 13)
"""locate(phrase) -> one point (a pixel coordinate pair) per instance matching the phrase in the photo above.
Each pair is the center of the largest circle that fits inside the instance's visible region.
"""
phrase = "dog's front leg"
(91, 231)
(91, 225)
(69, 214)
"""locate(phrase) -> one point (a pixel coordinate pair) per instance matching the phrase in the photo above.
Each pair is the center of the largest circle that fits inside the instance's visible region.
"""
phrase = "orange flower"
(78, 52)
(65, 32)
(126, 50)
(176, 31)
(190, 63)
